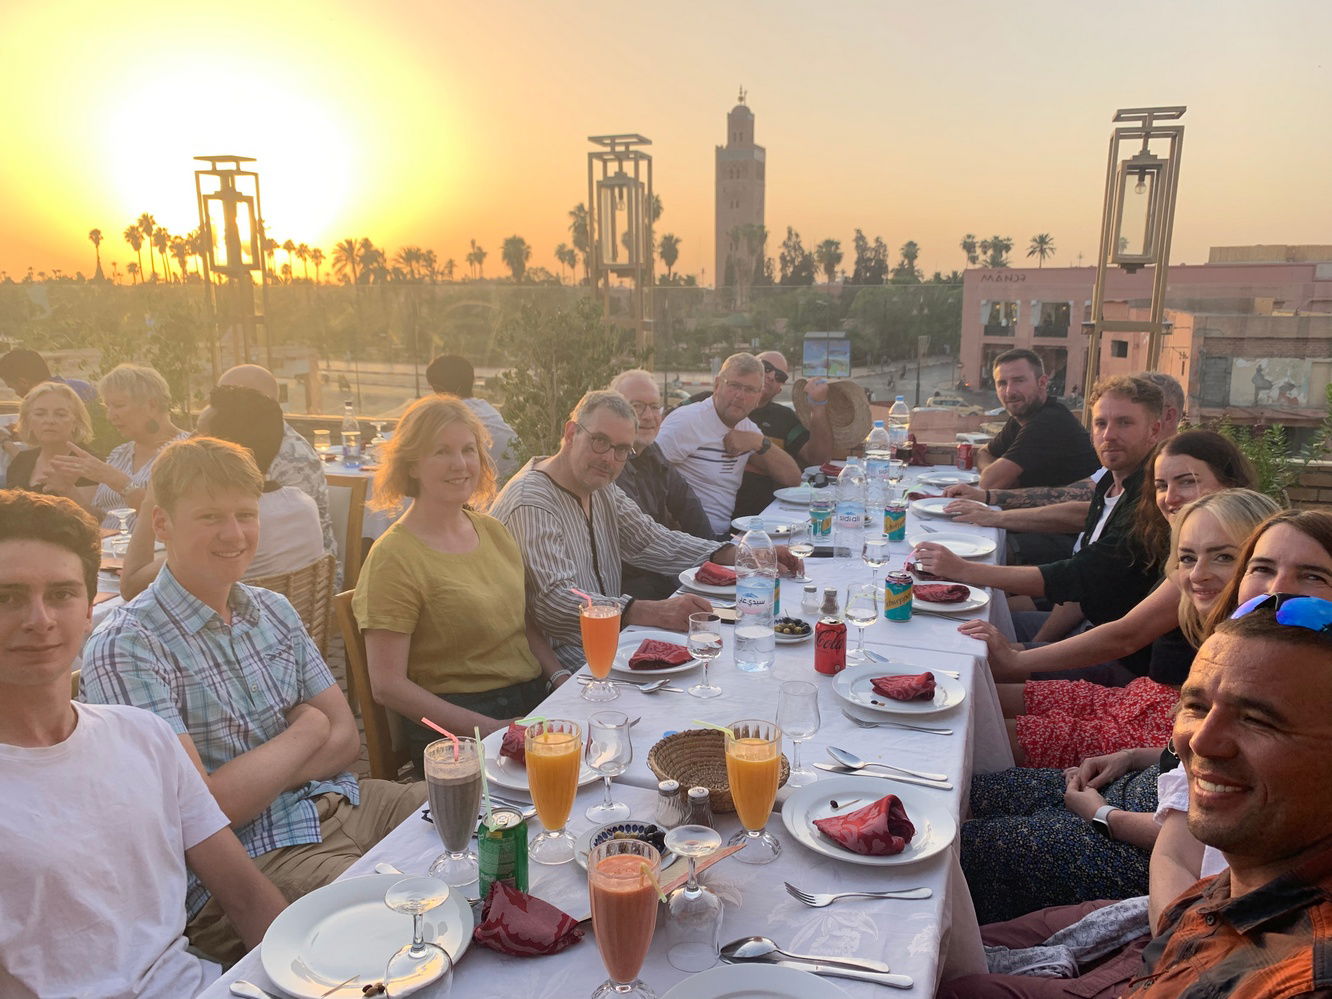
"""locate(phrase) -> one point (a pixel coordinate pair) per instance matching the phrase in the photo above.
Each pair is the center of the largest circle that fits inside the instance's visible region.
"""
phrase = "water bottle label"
(754, 596)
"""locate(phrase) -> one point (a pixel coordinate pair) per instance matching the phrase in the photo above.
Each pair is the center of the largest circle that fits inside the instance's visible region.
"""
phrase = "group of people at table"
(1166, 834)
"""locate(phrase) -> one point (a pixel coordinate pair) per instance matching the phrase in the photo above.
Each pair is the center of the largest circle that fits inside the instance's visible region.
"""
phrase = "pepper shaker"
(700, 807)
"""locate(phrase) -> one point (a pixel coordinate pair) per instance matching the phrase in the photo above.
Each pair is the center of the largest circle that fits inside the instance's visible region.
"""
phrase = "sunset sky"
(432, 122)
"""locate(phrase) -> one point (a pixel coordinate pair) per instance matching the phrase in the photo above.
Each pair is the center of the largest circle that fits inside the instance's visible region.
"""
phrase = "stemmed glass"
(420, 962)
(798, 715)
(554, 751)
(599, 620)
(753, 769)
(862, 610)
(896, 470)
(705, 645)
(622, 887)
(875, 556)
(693, 913)
(119, 543)
(453, 784)
(609, 752)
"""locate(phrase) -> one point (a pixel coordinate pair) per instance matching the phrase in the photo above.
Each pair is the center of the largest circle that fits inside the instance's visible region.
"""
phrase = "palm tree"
(146, 226)
(476, 259)
(133, 269)
(968, 246)
(562, 252)
(270, 248)
(162, 241)
(316, 258)
(581, 236)
(409, 258)
(135, 239)
(290, 247)
(828, 255)
(516, 253)
(374, 263)
(996, 250)
(180, 249)
(449, 267)
(431, 264)
(670, 252)
(303, 255)
(95, 236)
(1042, 246)
(345, 261)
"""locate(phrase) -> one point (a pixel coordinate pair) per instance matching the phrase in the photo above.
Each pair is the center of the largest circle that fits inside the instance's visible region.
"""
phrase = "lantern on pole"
(619, 187)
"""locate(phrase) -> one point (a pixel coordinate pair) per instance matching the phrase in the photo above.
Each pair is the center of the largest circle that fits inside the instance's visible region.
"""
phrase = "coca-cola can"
(966, 458)
(830, 647)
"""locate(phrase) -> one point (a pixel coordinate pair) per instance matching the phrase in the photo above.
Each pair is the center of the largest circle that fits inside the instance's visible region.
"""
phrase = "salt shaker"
(809, 602)
(670, 805)
(700, 807)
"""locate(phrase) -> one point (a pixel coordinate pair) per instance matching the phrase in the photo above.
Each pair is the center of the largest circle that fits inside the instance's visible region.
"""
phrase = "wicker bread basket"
(697, 758)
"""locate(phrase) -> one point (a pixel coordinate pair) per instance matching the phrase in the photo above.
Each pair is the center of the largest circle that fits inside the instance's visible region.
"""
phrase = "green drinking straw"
(485, 788)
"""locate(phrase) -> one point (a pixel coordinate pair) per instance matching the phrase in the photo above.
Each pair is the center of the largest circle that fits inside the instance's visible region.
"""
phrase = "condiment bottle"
(700, 807)
(670, 806)
(809, 603)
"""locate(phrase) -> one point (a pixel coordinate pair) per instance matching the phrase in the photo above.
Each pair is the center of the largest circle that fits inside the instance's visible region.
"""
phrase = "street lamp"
(232, 229)
(619, 195)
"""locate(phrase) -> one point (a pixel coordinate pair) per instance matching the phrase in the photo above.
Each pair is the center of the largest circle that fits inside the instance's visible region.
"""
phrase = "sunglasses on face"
(777, 373)
(1293, 610)
(602, 444)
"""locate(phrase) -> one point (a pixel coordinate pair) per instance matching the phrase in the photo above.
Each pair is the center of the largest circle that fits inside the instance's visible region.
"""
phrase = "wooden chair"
(346, 508)
(310, 590)
(386, 759)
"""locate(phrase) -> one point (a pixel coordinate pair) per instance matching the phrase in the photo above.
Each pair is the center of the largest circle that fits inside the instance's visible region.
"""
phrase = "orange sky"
(432, 122)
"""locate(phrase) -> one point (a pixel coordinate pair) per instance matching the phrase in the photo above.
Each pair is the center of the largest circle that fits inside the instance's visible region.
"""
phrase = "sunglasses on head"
(776, 372)
(1292, 609)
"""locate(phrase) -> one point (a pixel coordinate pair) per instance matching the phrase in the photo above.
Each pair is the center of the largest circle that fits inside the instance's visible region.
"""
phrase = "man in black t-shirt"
(1042, 444)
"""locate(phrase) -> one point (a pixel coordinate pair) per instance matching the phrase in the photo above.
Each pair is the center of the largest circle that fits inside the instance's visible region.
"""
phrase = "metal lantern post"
(1136, 223)
(232, 230)
(619, 205)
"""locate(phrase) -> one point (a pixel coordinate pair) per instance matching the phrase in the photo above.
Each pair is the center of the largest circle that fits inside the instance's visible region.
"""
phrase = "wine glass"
(323, 445)
(420, 962)
(875, 555)
(705, 645)
(622, 887)
(599, 621)
(554, 755)
(453, 785)
(798, 716)
(119, 543)
(753, 769)
(609, 752)
(862, 610)
(693, 913)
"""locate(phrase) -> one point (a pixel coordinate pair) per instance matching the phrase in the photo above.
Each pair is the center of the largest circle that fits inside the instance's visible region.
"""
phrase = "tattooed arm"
(1019, 499)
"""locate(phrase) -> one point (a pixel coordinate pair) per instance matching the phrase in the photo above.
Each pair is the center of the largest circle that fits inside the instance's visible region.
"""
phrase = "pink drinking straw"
(444, 732)
(585, 596)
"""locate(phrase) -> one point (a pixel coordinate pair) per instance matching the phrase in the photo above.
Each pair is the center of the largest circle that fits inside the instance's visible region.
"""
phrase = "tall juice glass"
(554, 755)
(600, 623)
(753, 768)
(453, 786)
(620, 883)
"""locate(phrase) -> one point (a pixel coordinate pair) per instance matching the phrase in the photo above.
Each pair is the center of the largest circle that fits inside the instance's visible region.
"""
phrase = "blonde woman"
(441, 598)
(52, 420)
(138, 404)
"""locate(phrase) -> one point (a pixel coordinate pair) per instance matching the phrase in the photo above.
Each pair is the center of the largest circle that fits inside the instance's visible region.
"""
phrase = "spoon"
(853, 762)
(753, 948)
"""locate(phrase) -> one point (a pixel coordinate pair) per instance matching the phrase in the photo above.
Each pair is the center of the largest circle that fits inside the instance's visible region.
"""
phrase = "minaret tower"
(740, 184)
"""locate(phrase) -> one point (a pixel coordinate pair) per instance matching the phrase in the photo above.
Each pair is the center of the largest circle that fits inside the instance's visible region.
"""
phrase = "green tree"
(828, 255)
(795, 263)
(516, 253)
(582, 237)
(134, 237)
(1041, 246)
(95, 237)
(996, 250)
(968, 246)
(670, 252)
(871, 260)
(906, 271)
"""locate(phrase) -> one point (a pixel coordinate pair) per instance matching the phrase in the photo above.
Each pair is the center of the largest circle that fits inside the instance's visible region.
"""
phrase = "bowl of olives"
(791, 629)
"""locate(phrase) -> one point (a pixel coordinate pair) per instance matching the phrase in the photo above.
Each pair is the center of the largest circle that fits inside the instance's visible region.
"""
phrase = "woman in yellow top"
(440, 598)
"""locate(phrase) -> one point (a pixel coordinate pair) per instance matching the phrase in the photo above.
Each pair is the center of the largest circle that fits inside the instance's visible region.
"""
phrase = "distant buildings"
(740, 184)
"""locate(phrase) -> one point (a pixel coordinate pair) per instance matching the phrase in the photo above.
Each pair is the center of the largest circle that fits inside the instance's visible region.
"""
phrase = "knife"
(838, 971)
(940, 785)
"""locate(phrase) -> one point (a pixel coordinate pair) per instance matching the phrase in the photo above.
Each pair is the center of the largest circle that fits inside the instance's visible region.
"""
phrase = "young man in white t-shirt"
(712, 441)
(103, 811)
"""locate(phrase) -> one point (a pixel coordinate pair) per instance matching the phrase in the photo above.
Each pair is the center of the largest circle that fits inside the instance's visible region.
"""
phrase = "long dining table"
(930, 940)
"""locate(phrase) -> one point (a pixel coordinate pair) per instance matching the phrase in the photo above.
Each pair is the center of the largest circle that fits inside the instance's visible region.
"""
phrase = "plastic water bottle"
(899, 425)
(755, 599)
(849, 523)
(877, 455)
(351, 436)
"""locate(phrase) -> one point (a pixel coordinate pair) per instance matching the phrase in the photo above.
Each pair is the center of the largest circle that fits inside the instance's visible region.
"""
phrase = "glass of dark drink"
(453, 785)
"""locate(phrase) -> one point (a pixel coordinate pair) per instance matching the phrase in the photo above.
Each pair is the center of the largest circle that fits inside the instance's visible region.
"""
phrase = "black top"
(21, 467)
(663, 494)
(780, 425)
(1172, 657)
(1052, 447)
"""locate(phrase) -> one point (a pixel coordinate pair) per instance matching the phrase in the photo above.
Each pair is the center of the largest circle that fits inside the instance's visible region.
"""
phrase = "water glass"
(896, 470)
(798, 716)
(705, 645)
(799, 541)
(609, 751)
(862, 610)
(693, 913)
(875, 555)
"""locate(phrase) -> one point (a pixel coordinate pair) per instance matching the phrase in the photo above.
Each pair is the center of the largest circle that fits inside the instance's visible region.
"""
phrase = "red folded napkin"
(942, 593)
(917, 687)
(828, 468)
(880, 829)
(712, 574)
(654, 654)
(514, 744)
(916, 494)
(522, 925)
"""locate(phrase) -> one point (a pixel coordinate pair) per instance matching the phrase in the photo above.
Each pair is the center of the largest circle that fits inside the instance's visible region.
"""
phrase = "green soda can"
(897, 588)
(894, 522)
(501, 846)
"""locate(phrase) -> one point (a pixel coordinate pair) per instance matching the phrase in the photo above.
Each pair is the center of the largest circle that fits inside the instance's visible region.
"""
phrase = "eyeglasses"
(742, 389)
(645, 407)
(777, 373)
(601, 444)
(1292, 609)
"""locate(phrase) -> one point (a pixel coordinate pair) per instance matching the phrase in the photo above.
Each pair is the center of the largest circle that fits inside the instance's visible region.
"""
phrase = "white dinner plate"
(935, 826)
(957, 542)
(687, 578)
(509, 773)
(753, 980)
(629, 643)
(345, 929)
(853, 686)
(950, 479)
(781, 639)
(978, 599)
(931, 506)
(774, 527)
(796, 495)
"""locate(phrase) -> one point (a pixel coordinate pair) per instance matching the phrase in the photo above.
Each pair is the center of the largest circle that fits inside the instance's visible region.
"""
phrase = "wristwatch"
(765, 446)
(1101, 820)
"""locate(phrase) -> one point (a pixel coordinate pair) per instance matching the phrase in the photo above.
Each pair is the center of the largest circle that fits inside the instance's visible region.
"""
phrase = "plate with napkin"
(886, 831)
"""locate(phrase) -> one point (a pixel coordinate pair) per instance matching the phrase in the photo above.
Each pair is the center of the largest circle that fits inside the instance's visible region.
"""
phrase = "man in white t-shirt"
(103, 810)
(712, 441)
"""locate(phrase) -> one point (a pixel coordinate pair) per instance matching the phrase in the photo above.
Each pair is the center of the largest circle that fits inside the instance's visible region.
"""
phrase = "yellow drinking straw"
(647, 873)
(711, 725)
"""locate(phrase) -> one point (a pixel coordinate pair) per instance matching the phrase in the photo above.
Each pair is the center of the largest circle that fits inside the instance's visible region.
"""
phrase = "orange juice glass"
(620, 876)
(753, 768)
(554, 756)
(600, 623)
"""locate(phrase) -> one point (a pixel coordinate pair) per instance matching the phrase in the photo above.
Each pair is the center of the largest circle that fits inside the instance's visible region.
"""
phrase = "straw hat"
(848, 411)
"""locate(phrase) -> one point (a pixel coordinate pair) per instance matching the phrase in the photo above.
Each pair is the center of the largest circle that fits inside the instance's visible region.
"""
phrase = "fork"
(818, 901)
(914, 728)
